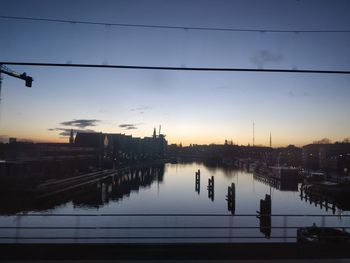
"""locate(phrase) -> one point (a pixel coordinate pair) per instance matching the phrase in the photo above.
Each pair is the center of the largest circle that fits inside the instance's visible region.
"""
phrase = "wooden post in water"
(211, 188)
(231, 198)
(198, 181)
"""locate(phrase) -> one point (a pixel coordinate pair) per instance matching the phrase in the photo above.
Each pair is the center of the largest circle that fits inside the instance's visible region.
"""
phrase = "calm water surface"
(171, 191)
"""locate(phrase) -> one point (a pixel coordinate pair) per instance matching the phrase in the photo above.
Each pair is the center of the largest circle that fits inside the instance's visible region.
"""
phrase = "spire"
(154, 133)
(253, 134)
(71, 137)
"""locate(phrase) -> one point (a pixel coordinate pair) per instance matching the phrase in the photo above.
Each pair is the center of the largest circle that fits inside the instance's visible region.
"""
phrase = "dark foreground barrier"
(174, 236)
(208, 251)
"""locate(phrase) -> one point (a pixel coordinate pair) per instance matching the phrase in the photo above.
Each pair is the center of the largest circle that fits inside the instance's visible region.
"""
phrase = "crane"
(3, 69)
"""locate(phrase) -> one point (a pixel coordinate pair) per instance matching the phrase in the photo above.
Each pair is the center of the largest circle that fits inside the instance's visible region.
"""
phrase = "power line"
(40, 64)
(173, 27)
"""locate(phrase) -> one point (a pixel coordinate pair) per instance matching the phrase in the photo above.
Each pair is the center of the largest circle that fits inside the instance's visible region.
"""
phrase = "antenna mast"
(253, 133)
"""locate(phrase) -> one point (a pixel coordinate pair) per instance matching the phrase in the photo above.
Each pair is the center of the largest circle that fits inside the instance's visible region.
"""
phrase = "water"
(168, 190)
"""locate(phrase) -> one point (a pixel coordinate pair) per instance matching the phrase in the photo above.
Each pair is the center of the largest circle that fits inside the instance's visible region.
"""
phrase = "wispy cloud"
(293, 94)
(66, 131)
(264, 57)
(141, 109)
(224, 87)
(80, 123)
(77, 125)
(129, 126)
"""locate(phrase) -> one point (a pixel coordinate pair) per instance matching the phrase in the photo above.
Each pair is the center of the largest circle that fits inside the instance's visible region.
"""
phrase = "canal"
(164, 204)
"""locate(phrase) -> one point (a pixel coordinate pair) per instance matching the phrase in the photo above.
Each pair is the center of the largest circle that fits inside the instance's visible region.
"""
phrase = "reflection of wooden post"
(264, 216)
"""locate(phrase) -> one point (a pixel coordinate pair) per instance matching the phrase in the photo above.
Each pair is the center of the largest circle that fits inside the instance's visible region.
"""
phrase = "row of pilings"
(316, 198)
(264, 214)
(231, 191)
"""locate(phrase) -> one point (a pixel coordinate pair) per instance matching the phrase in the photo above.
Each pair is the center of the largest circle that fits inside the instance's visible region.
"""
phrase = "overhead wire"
(136, 67)
(154, 26)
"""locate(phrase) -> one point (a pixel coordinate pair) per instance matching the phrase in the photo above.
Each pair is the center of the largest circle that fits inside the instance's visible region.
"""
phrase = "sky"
(191, 107)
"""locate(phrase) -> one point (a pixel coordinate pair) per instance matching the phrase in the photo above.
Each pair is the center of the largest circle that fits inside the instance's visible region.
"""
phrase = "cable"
(172, 27)
(344, 72)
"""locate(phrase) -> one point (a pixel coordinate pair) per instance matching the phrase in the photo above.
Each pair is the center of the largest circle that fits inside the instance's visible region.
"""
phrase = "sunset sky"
(191, 107)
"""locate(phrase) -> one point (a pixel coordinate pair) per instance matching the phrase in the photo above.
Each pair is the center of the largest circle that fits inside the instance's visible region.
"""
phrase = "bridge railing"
(166, 228)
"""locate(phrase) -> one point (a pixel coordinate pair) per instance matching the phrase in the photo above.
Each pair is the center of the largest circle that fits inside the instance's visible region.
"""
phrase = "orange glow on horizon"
(178, 136)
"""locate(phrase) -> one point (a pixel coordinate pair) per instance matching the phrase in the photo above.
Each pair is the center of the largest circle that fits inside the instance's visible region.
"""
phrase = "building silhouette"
(120, 147)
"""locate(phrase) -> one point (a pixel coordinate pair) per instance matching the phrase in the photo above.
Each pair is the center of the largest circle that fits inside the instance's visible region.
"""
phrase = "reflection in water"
(92, 194)
(114, 188)
(282, 185)
(323, 201)
(19, 192)
(106, 195)
(264, 216)
(231, 198)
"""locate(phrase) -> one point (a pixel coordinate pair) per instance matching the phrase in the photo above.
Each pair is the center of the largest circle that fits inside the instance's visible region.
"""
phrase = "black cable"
(179, 215)
(158, 227)
(172, 27)
(40, 64)
(145, 237)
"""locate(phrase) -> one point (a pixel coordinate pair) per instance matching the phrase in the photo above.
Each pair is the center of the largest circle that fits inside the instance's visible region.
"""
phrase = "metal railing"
(155, 227)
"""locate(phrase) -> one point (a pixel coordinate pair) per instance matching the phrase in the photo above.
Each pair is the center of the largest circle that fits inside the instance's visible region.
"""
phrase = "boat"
(322, 235)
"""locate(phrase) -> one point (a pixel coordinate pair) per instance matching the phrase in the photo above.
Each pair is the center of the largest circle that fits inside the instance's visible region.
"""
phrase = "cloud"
(224, 87)
(264, 56)
(141, 109)
(65, 132)
(129, 126)
(293, 94)
(77, 125)
(81, 123)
